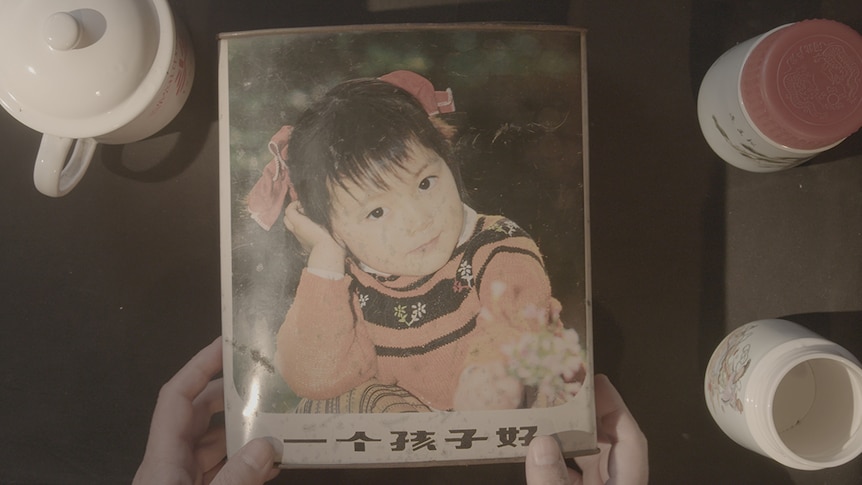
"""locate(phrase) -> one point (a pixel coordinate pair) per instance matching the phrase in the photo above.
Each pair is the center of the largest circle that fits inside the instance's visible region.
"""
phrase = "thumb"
(544, 464)
(251, 465)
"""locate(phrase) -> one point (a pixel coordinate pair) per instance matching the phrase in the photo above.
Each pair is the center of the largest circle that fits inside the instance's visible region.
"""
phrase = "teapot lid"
(82, 68)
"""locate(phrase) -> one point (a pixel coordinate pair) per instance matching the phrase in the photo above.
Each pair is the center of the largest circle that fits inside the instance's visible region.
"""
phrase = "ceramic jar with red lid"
(778, 99)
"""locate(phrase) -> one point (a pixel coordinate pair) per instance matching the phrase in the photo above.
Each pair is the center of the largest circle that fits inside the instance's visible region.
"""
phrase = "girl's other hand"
(487, 386)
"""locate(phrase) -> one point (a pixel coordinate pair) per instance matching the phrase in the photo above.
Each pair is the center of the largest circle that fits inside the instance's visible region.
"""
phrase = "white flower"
(465, 271)
(418, 311)
(550, 361)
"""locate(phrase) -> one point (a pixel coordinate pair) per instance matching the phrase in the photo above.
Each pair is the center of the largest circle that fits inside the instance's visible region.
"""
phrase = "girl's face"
(410, 228)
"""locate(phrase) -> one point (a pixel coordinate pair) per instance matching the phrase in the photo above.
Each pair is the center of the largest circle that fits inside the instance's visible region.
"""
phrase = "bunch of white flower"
(551, 361)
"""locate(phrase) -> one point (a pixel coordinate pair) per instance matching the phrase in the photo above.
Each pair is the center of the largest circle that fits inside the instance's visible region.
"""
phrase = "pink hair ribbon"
(269, 193)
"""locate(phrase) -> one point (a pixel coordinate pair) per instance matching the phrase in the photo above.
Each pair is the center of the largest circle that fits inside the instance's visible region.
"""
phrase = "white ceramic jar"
(85, 72)
(777, 100)
(783, 391)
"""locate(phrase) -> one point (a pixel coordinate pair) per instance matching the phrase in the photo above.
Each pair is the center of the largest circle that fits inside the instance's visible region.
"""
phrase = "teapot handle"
(53, 174)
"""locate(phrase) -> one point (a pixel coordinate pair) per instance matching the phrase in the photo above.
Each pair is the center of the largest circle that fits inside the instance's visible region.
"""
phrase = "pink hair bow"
(269, 193)
(267, 197)
(434, 102)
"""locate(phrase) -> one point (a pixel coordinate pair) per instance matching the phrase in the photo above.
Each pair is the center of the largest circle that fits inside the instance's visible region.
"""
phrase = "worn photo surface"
(405, 242)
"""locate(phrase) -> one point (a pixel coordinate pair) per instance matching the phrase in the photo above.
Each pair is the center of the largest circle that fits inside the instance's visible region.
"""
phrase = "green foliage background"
(517, 92)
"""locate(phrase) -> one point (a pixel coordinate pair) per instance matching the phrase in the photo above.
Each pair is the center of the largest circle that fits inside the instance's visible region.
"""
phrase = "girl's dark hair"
(358, 132)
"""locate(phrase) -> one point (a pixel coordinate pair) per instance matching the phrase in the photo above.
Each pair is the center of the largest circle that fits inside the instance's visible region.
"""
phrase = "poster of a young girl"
(401, 247)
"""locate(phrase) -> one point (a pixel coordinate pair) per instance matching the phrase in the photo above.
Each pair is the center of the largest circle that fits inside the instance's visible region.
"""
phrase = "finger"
(197, 373)
(251, 465)
(174, 418)
(210, 474)
(288, 223)
(628, 458)
(211, 449)
(594, 467)
(295, 219)
(211, 400)
(544, 464)
(292, 213)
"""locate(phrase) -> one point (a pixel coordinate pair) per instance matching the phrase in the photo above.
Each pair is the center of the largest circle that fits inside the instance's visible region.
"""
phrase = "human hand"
(623, 456)
(324, 252)
(308, 232)
(487, 386)
(184, 448)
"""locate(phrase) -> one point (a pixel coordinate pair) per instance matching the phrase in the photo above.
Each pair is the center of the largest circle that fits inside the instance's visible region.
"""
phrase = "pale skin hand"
(324, 252)
(623, 457)
(184, 447)
(487, 386)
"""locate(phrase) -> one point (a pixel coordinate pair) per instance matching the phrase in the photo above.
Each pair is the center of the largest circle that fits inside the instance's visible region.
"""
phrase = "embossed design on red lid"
(802, 84)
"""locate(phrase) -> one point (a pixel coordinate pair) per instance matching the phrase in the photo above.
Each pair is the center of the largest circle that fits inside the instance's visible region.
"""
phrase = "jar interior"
(817, 410)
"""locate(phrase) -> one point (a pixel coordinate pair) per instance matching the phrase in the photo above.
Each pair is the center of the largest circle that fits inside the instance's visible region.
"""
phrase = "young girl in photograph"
(406, 286)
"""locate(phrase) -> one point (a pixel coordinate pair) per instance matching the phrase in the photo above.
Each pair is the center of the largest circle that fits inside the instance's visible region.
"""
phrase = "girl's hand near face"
(309, 233)
(323, 251)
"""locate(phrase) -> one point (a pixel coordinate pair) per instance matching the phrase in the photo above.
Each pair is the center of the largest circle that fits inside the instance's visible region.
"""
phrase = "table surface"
(106, 292)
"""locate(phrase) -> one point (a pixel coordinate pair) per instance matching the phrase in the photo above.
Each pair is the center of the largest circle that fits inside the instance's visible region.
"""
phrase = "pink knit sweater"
(416, 332)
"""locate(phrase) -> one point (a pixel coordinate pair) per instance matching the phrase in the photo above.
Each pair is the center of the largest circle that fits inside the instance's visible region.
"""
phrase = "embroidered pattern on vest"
(385, 303)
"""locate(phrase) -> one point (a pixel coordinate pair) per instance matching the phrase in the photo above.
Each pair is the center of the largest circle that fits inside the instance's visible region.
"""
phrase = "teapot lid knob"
(62, 31)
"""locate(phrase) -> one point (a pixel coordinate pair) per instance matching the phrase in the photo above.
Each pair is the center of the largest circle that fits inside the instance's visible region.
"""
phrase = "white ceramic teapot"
(84, 72)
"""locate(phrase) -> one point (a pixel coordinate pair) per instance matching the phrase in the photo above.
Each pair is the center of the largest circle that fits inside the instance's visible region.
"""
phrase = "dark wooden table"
(106, 292)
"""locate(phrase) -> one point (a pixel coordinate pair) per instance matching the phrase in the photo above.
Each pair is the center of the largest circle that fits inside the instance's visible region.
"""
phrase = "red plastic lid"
(802, 84)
